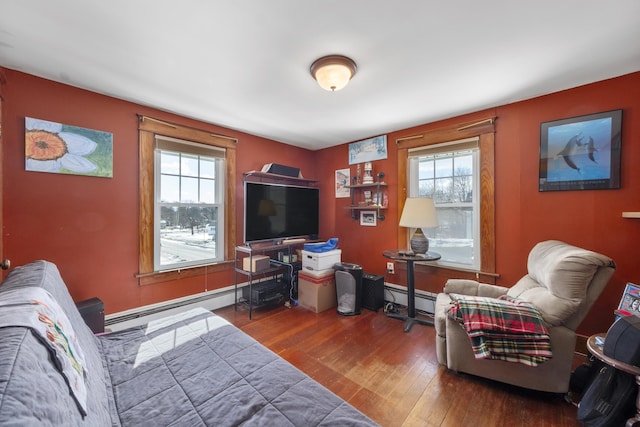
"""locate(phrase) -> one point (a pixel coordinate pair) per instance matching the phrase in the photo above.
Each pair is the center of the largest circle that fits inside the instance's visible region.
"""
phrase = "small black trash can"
(348, 288)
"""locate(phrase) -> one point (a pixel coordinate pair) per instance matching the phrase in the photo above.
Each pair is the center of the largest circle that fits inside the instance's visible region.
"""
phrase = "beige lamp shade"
(418, 213)
(333, 72)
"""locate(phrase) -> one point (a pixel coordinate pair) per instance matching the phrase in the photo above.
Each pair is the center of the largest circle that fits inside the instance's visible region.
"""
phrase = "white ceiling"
(244, 64)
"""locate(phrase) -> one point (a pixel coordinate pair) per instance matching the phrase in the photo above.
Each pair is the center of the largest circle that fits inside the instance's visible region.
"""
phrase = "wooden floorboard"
(392, 376)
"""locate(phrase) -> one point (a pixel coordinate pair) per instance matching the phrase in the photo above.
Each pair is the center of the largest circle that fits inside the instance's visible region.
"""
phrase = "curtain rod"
(158, 121)
(407, 138)
(470, 125)
(162, 122)
(481, 122)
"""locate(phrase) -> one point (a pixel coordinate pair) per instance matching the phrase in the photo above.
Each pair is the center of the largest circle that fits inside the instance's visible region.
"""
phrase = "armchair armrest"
(473, 288)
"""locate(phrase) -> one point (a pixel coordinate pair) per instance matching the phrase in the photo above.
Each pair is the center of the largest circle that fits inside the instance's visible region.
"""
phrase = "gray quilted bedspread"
(196, 369)
(189, 369)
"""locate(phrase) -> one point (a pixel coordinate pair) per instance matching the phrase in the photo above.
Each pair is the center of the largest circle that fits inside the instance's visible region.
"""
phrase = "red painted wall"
(590, 219)
(525, 216)
(89, 226)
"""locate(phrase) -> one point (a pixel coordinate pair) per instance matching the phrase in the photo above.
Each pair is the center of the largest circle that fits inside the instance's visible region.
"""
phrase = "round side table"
(398, 255)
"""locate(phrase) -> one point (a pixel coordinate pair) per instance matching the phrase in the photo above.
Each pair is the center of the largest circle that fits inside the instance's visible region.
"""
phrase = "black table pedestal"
(410, 318)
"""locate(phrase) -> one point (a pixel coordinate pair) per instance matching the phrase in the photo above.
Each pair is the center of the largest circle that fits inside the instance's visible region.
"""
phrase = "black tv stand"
(282, 269)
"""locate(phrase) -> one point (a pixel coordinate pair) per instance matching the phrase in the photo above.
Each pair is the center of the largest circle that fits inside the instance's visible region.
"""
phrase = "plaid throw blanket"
(504, 329)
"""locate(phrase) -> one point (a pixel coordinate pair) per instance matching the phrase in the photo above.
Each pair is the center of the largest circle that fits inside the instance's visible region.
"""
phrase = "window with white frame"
(189, 203)
(449, 174)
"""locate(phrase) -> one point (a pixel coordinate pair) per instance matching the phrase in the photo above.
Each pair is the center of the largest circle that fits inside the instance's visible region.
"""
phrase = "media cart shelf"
(271, 285)
(360, 203)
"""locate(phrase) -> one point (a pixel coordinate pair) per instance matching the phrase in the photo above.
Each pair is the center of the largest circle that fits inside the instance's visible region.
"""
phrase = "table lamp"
(419, 213)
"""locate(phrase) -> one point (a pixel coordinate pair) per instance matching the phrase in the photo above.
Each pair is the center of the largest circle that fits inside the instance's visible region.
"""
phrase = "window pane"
(444, 167)
(426, 169)
(170, 163)
(427, 188)
(453, 238)
(444, 190)
(463, 165)
(207, 168)
(207, 191)
(187, 233)
(170, 188)
(189, 165)
(463, 189)
(189, 190)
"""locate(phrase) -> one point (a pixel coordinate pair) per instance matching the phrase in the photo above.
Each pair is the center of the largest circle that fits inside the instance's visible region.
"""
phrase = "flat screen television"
(276, 212)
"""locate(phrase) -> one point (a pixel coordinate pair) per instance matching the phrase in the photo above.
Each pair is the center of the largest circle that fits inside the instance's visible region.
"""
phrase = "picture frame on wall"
(343, 179)
(368, 218)
(368, 150)
(581, 153)
(54, 147)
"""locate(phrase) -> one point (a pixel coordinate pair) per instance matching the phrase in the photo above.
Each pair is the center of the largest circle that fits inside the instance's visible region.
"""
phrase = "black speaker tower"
(372, 291)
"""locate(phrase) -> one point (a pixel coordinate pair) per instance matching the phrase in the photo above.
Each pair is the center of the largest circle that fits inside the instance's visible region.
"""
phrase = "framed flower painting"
(59, 148)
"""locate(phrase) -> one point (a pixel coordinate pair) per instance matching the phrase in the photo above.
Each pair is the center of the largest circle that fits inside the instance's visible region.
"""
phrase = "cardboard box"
(320, 260)
(317, 290)
(259, 262)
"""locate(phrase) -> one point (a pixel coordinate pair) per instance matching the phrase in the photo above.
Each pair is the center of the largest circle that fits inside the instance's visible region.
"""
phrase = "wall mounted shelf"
(373, 203)
(631, 214)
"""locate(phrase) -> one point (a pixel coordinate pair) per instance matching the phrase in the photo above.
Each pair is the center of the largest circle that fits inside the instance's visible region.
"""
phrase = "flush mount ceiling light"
(333, 72)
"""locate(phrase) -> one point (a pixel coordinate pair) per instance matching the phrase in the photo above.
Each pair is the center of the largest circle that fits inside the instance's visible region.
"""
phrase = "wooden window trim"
(148, 128)
(485, 131)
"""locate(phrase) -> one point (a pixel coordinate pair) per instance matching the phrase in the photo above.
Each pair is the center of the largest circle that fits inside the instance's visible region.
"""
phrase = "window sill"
(459, 272)
(455, 267)
(154, 277)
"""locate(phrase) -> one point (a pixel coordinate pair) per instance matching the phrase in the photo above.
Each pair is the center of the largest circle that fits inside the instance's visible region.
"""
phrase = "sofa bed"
(190, 369)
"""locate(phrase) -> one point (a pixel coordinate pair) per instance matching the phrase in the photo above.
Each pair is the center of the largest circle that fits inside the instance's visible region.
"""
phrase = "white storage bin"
(320, 260)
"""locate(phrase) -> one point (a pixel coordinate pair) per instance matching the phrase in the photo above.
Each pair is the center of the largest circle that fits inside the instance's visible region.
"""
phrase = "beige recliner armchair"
(563, 282)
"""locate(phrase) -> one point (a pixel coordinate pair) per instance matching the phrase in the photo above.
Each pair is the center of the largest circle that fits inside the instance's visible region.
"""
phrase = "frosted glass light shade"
(333, 72)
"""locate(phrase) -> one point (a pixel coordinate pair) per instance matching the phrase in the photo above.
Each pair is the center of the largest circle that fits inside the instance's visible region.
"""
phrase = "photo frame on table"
(630, 301)
(581, 153)
(368, 218)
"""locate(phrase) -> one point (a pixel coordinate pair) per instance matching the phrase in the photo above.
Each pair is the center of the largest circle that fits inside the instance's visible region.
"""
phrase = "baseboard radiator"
(425, 301)
(224, 297)
(210, 300)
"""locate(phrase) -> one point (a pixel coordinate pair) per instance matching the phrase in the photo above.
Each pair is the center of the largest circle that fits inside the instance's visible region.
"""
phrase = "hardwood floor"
(393, 376)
